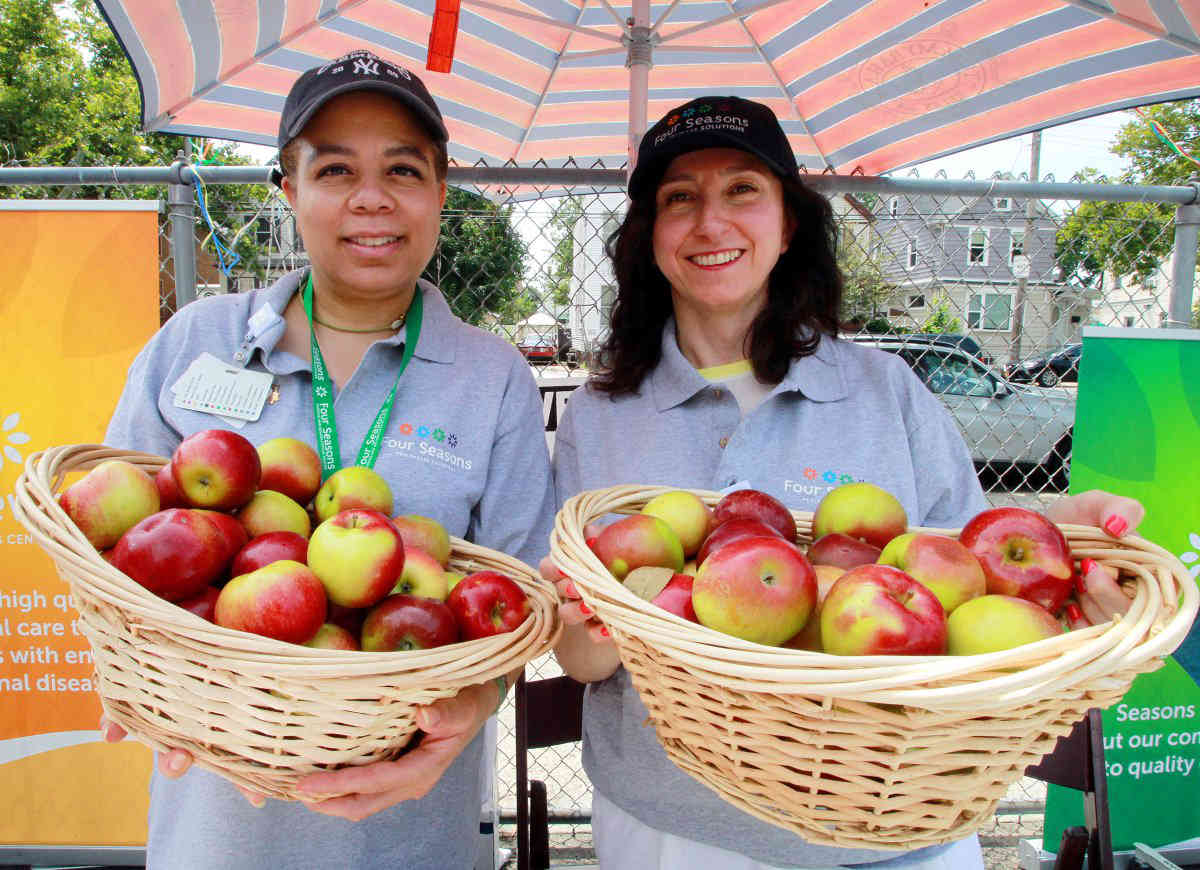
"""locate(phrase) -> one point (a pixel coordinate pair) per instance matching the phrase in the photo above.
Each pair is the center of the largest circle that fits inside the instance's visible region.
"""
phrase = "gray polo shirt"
(464, 445)
(847, 413)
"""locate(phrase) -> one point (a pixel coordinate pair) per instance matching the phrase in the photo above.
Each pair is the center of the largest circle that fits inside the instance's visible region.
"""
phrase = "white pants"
(623, 842)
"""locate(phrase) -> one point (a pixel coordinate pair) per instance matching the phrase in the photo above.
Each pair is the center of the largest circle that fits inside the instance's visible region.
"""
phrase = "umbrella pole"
(639, 61)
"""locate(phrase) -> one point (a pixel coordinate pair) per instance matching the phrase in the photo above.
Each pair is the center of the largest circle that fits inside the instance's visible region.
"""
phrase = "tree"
(556, 278)
(941, 317)
(865, 289)
(480, 260)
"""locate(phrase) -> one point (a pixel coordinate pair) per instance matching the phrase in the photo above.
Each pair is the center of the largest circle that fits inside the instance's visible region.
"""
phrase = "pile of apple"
(865, 586)
(251, 539)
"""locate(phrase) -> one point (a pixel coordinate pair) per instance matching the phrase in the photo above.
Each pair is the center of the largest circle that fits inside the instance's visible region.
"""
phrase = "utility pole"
(1035, 155)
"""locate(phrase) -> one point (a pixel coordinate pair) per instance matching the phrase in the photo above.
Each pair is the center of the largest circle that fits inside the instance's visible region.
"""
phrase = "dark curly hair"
(804, 293)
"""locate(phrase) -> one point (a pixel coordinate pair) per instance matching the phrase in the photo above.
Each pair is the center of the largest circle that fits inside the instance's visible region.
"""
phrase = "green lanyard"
(322, 391)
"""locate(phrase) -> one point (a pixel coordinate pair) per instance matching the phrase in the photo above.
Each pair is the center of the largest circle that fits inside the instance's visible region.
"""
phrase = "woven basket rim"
(1157, 622)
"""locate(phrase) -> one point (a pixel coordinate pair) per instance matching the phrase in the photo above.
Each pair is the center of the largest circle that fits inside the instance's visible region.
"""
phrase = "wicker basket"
(884, 752)
(261, 712)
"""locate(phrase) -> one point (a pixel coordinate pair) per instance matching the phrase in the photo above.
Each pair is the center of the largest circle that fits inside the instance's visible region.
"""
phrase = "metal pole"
(1183, 265)
(1035, 156)
(639, 42)
(181, 207)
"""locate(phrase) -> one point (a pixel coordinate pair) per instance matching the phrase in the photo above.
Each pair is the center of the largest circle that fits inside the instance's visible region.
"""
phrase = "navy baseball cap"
(357, 71)
(711, 122)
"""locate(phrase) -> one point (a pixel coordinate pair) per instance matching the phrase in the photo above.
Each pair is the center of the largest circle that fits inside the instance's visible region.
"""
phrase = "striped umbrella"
(859, 85)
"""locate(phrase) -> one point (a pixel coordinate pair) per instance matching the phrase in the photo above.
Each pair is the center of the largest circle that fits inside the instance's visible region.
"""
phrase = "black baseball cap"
(711, 122)
(358, 70)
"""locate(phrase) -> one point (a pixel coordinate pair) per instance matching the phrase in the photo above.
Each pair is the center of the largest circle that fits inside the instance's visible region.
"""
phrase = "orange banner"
(80, 300)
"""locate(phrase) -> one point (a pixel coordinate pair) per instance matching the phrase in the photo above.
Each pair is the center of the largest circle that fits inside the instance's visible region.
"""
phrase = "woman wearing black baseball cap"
(362, 351)
(723, 358)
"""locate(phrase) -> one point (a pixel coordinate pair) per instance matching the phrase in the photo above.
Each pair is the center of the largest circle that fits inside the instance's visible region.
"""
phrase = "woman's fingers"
(174, 763)
(1101, 587)
(549, 570)
(111, 731)
(1116, 514)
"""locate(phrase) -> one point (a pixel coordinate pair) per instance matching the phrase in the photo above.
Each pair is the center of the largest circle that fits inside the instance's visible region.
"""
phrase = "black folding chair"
(548, 712)
(1078, 762)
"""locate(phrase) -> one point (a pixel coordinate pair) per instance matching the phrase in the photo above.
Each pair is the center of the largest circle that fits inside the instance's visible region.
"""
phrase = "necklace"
(392, 327)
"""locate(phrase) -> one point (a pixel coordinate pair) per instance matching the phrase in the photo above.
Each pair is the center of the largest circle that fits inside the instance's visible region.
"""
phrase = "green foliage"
(866, 289)
(941, 317)
(1153, 161)
(556, 278)
(480, 260)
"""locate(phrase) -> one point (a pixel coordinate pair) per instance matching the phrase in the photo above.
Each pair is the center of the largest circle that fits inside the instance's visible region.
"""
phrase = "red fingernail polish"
(572, 591)
(1079, 587)
(1074, 613)
(1116, 526)
(604, 631)
(1087, 566)
(584, 609)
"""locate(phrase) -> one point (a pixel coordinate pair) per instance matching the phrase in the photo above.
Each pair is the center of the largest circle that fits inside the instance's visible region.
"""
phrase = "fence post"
(181, 207)
(1183, 261)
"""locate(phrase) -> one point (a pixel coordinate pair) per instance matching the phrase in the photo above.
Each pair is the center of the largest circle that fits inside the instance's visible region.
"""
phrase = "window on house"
(1016, 245)
(1129, 321)
(1076, 319)
(894, 206)
(1002, 203)
(990, 311)
(916, 301)
(262, 232)
(913, 257)
(608, 295)
(977, 249)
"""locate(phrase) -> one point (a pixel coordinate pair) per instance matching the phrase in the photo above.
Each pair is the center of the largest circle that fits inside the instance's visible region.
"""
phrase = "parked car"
(1048, 369)
(544, 344)
(950, 339)
(1005, 425)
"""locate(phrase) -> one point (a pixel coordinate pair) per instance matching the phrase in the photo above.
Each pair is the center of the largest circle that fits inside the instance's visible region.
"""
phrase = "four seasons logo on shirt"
(430, 444)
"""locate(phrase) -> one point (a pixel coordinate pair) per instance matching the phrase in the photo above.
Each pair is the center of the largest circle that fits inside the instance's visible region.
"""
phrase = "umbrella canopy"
(859, 85)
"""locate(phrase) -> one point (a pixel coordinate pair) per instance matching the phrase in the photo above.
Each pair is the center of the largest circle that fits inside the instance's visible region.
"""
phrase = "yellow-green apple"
(424, 533)
(407, 622)
(452, 580)
(664, 588)
(233, 532)
(880, 610)
(422, 576)
(283, 600)
(112, 498)
(991, 623)
(1022, 553)
(686, 514)
(485, 603)
(174, 553)
(268, 548)
(203, 604)
(169, 495)
(638, 540)
(754, 504)
(358, 555)
(291, 467)
(945, 567)
(216, 468)
(861, 510)
(271, 511)
(841, 551)
(354, 486)
(809, 637)
(760, 589)
(731, 530)
(330, 636)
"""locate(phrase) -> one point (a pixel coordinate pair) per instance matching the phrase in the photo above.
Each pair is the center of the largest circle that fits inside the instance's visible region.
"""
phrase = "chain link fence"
(983, 287)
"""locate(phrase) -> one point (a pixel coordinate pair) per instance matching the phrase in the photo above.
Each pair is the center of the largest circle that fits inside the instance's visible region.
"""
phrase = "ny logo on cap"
(365, 66)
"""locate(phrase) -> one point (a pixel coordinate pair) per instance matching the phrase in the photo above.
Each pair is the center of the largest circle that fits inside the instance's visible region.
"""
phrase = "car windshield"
(952, 374)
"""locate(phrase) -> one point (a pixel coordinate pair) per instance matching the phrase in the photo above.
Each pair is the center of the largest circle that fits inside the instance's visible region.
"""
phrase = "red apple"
(861, 510)
(424, 533)
(283, 600)
(268, 548)
(174, 553)
(271, 511)
(809, 637)
(291, 467)
(663, 587)
(359, 556)
(686, 514)
(760, 589)
(880, 610)
(943, 565)
(203, 605)
(731, 530)
(111, 499)
(487, 603)
(349, 618)
(753, 504)
(842, 551)
(354, 486)
(1023, 554)
(232, 532)
(638, 540)
(992, 623)
(216, 468)
(169, 495)
(330, 636)
(406, 622)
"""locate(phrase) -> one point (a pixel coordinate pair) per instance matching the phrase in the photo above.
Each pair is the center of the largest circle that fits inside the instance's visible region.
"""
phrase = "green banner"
(1137, 433)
